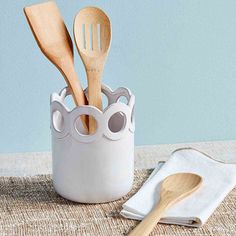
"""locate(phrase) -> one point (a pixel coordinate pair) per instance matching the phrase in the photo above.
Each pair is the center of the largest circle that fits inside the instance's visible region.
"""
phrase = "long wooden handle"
(147, 225)
(94, 96)
(77, 92)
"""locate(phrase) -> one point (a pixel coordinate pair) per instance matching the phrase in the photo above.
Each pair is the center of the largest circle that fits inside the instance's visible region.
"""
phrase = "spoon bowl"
(173, 188)
(179, 185)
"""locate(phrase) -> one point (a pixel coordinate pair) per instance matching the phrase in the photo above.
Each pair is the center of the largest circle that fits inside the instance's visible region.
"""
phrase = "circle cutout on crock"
(117, 122)
(113, 109)
(122, 99)
(58, 121)
(57, 131)
(90, 111)
(80, 127)
(132, 120)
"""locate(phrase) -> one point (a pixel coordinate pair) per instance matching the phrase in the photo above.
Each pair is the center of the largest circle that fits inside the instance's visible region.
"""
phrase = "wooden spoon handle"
(94, 96)
(80, 99)
(77, 92)
(147, 225)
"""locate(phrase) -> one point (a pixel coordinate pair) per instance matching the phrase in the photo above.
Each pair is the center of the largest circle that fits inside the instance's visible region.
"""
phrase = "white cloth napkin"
(218, 180)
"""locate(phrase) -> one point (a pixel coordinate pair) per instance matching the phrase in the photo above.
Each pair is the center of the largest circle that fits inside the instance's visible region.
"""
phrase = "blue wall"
(178, 57)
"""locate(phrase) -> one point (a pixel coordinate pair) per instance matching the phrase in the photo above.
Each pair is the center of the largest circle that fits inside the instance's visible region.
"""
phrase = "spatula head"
(180, 185)
(92, 32)
(50, 31)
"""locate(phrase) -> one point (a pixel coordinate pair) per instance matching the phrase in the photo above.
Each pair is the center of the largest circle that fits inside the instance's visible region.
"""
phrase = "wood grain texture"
(54, 41)
(173, 188)
(93, 53)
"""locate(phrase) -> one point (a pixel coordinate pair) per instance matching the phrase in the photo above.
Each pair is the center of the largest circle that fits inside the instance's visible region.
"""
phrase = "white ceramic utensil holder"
(98, 167)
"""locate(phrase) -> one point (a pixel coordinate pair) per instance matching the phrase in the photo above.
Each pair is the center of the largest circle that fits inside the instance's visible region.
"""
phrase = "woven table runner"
(30, 206)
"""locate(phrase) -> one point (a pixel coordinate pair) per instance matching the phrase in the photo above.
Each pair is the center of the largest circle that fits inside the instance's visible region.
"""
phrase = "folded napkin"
(218, 180)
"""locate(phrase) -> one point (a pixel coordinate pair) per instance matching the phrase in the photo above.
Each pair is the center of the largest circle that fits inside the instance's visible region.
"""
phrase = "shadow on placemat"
(30, 206)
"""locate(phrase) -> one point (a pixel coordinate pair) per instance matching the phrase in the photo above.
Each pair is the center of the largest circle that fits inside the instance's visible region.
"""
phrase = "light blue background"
(178, 57)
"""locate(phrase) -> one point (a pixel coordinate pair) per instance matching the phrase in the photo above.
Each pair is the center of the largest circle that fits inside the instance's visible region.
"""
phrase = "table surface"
(29, 164)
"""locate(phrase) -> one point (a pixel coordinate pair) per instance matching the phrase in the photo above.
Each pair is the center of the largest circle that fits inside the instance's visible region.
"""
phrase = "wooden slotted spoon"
(89, 23)
(173, 188)
(54, 41)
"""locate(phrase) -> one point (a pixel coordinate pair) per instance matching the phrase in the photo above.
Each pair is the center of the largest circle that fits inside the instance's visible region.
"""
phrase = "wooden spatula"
(173, 188)
(54, 41)
(92, 33)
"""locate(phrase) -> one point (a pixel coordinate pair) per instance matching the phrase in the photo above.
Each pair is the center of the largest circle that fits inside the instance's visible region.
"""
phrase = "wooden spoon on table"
(173, 188)
(54, 41)
(89, 23)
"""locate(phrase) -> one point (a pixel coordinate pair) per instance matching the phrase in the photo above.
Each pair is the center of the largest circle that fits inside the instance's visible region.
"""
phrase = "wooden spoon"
(54, 41)
(93, 50)
(173, 188)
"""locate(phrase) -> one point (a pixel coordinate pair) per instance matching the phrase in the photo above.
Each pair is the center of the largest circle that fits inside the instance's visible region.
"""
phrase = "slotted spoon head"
(92, 33)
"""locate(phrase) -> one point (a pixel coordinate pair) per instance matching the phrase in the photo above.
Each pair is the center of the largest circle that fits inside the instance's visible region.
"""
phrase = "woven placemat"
(30, 206)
